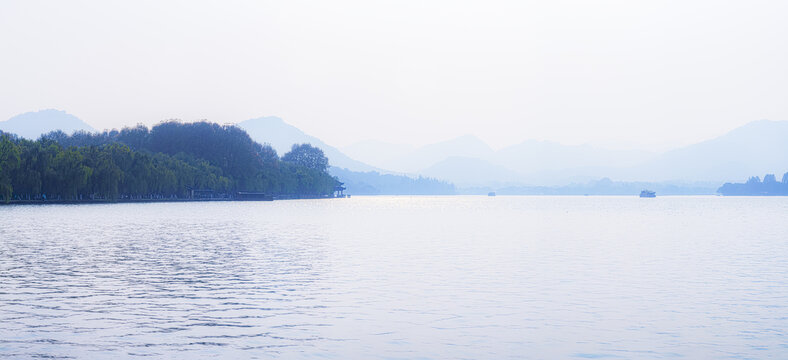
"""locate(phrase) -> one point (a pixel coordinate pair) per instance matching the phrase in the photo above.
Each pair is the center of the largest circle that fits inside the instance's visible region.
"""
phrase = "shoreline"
(142, 201)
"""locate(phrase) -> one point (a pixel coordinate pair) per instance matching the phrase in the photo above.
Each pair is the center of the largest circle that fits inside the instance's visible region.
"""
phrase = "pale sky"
(413, 72)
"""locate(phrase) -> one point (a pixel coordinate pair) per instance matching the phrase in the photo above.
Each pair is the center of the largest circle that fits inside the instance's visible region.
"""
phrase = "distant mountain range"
(32, 125)
(468, 161)
(281, 136)
(756, 148)
(359, 178)
(528, 157)
(759, 147)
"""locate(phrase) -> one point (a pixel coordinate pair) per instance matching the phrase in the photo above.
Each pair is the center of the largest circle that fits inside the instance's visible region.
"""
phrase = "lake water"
(398, 278)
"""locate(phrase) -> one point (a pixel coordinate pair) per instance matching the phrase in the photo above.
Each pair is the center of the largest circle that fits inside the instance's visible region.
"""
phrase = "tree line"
(754, 186)
(166, 161)
(374, 183)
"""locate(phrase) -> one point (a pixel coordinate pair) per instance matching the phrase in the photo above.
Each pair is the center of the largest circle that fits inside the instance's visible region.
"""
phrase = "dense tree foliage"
(754, 186)
(166, 161)
(307, 156)
(9, 163)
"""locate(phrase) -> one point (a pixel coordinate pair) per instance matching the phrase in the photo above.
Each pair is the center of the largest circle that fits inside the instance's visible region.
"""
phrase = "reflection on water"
(398, 277)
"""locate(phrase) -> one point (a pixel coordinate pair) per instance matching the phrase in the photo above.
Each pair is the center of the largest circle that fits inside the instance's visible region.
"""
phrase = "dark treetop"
(166, 161)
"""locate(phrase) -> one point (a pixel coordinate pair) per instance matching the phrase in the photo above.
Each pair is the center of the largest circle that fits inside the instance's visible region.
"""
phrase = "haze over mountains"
(757, 148)
(281, 136)
(468, 161)
(31, 125)
(359, 178)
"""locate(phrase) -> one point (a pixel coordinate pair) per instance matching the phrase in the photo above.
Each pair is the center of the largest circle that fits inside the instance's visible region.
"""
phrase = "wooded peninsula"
(755, 187)
(170, 161)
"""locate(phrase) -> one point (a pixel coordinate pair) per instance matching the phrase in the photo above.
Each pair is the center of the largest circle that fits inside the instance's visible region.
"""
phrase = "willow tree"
(9, 162)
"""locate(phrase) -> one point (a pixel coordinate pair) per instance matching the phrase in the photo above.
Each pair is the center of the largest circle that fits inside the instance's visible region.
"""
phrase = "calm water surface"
(398, 278)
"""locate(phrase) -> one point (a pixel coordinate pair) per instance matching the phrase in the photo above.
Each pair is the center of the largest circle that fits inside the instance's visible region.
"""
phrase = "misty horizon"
(621, 144)
(468, 162)
(652, 76)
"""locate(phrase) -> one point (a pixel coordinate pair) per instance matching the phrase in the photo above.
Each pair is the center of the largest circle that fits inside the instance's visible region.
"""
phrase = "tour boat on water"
(648, 194)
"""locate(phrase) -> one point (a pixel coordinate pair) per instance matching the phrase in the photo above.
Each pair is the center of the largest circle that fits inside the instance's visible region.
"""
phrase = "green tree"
(9, 162)
(71, 172)
(163, 162)
(307, 156)
(106, 177)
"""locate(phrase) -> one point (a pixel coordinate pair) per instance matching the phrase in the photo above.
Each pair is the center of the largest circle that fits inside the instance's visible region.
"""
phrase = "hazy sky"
(641, 72)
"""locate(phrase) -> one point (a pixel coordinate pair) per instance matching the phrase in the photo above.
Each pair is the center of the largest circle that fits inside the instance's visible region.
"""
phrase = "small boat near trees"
(648, 194)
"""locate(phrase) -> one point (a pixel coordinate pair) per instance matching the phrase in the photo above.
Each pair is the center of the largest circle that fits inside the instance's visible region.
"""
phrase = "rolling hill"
(757, 148)
(32, 125)
(281, 136)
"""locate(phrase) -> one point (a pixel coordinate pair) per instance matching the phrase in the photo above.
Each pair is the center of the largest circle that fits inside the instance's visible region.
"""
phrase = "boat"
(648, 194)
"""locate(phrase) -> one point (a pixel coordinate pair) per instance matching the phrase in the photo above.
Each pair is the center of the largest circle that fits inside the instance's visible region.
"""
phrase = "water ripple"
(397, 277)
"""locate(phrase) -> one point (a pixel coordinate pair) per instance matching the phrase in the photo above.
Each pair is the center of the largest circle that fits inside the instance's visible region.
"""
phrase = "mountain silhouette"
(32, 125)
